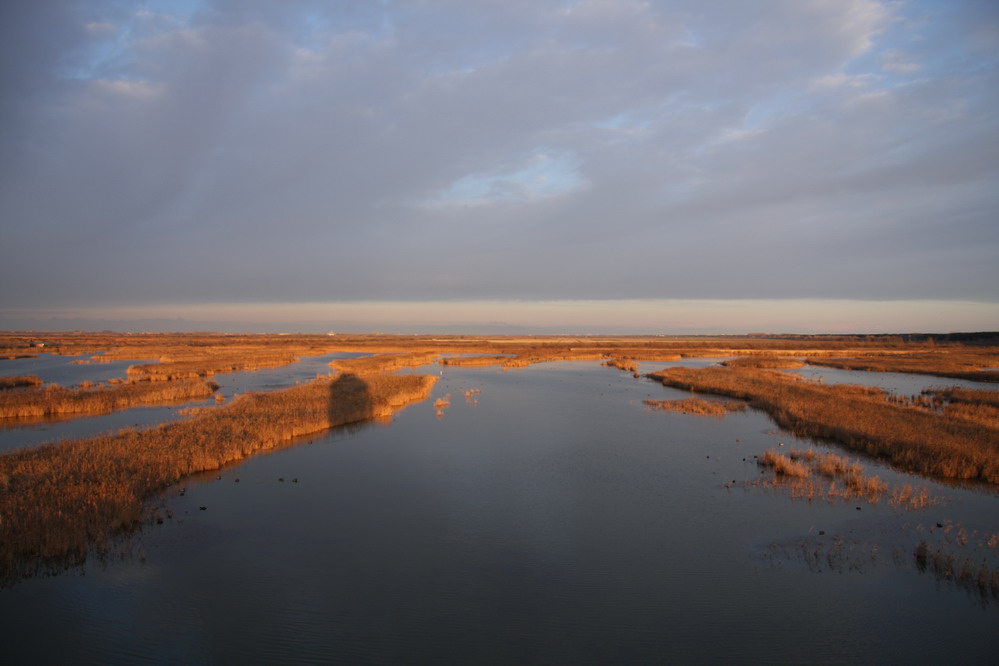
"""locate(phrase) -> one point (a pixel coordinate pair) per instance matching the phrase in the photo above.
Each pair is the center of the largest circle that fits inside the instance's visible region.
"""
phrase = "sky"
(521, 166)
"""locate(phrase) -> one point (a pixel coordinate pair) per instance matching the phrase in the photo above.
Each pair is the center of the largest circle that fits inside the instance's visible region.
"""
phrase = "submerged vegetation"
(942, 562)
(912, 437)
(59, 499)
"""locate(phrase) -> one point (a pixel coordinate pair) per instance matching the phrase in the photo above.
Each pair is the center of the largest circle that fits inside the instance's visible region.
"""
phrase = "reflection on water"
(552, 519)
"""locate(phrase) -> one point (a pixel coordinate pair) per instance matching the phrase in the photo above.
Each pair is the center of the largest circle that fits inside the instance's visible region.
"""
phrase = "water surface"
(555, 521)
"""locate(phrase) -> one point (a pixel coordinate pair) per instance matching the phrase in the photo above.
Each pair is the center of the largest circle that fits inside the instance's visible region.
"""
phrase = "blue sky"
(675, 166)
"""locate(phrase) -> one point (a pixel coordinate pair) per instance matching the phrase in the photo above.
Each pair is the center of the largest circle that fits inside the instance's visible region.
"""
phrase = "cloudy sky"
(591, 165)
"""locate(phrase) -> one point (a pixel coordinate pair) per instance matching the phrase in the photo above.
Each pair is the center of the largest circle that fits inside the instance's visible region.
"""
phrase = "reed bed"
(770, 362)
(170, 370)
(698, 406)
(54, 400)
(58, 500)
(383, 362)
(956, 394)
(864, 419)
(978, 406)
(474, 361)
(21, 381)
(531, 349)
(628, 365)
(960, 364)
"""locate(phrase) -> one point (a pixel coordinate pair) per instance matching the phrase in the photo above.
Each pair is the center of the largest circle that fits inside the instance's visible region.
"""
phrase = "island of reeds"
(911, 434)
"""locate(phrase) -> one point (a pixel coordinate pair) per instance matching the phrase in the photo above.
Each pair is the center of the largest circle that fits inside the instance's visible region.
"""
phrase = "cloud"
(306, 151)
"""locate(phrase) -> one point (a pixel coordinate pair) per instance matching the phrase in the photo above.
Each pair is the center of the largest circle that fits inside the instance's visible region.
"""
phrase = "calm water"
(556, 521)
(893, 382)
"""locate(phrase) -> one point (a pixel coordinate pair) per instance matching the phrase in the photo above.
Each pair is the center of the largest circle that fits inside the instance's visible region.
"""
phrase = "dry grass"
(913, 438)
(784, 465)
(169, 370)
(699, 406)
(961, 364)
(965, 396)
(808, 474)
(57, 500)
(772, 362)
(625, 364)
(969, 404)
(475, 361)
(383, 362)
(19, 382)
(54, 400)
(907, 496)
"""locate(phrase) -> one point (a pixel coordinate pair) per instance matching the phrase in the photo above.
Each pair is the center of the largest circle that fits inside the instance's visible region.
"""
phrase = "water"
(893, 382)
(556, 521)
(65, 370)
(16, 433)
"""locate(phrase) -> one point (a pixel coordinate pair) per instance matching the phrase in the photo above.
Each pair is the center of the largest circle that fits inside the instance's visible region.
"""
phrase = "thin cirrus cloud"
(199, 152)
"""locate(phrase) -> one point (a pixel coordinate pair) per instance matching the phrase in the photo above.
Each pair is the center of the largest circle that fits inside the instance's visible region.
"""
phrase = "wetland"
(550, 512)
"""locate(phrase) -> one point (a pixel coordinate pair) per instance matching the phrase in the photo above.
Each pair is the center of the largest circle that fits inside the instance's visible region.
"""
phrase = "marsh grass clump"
(54, 400)
(22, 381)
(383, 362)
(784, 465)
(698, 406)
(909, 497)
(628, 365)
(440, 404)
(59, 500)
(765, 361)
(808, 474)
